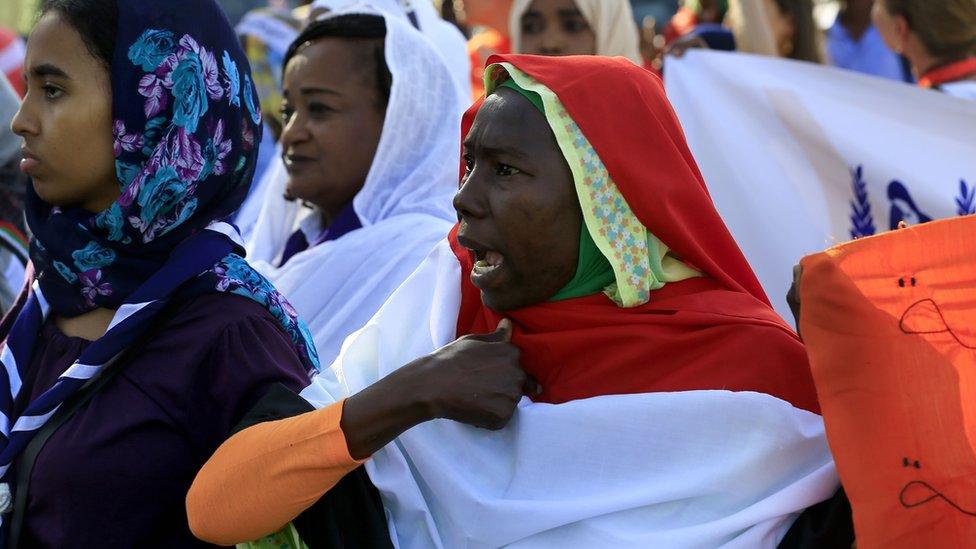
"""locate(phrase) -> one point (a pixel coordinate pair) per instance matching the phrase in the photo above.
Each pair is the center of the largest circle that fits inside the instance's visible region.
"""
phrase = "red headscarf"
(714, 332)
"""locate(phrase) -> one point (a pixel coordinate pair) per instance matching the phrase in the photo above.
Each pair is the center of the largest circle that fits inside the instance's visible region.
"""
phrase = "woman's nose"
(469, 201)
(24, 123)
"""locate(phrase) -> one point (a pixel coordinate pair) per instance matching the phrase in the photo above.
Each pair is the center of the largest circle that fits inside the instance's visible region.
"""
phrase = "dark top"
(117, 472)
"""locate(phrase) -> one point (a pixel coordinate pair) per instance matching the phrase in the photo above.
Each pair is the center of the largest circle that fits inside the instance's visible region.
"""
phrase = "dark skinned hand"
(476, 380)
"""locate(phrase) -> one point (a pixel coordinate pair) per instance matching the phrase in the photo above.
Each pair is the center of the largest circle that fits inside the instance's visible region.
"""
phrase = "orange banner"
(890, 327)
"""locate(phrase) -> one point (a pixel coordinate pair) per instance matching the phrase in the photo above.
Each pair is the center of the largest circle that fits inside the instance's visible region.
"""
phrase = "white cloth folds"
(685, 469)
(798, 156)
(446, 38)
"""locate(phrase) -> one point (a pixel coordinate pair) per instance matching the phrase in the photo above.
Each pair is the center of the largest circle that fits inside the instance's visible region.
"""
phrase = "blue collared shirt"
(868, 55)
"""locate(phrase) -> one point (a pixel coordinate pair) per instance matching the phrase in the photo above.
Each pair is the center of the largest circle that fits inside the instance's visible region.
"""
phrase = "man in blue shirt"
(854, 44)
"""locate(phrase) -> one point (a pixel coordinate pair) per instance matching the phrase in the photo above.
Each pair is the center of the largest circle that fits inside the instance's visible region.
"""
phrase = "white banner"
(798, 157)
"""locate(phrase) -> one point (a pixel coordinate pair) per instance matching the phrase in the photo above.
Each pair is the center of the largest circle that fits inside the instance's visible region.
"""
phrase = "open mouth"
(487, 261)
(489, 264)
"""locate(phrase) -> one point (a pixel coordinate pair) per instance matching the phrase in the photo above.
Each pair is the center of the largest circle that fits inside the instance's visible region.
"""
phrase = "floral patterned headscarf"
(186, 125)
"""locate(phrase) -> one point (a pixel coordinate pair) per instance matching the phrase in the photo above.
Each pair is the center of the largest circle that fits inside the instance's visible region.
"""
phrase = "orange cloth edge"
(266, 475)
(875, 524)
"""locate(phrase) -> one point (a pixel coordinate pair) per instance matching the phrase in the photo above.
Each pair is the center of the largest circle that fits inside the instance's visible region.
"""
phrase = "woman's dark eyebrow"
(495, 150)
(48, 69)
(570, 12)
(314, 90)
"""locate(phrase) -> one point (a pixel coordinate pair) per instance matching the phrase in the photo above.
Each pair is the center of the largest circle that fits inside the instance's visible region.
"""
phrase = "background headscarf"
(405, 205)
(687, 335)
(446, 38)
(612, 22)
(186, 123)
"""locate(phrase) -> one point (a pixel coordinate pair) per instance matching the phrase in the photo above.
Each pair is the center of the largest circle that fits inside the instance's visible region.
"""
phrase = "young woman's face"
(518, 209)
(556, 27)
(66, 119)
(333, 117)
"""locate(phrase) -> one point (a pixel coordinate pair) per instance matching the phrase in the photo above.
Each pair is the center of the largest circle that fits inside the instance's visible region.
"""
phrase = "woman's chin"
(49, 193)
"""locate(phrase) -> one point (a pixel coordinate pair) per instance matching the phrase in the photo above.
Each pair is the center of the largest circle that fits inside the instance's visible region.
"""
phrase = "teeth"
(483, 266)
(494, 258)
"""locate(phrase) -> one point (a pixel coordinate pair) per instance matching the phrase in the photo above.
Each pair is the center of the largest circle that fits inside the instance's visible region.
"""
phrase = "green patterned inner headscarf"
(617, 253)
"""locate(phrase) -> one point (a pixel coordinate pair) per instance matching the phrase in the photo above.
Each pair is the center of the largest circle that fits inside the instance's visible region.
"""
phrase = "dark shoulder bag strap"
(24, 464)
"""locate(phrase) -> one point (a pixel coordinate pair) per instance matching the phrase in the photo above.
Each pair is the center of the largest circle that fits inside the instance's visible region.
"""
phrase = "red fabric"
(683, 22)
(717, 332)
(952, 72)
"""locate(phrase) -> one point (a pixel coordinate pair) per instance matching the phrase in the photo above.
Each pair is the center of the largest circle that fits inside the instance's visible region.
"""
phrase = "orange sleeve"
(266, 475)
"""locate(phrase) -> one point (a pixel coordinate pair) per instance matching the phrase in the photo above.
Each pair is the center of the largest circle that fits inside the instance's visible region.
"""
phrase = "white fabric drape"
(446, 38)
(679, 470)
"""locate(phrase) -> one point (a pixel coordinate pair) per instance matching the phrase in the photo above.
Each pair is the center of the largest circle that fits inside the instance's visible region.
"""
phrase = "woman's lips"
(295, 162)
(28, 162)
(29, 165)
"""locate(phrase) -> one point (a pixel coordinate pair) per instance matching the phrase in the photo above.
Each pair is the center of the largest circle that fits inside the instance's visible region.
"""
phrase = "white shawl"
(694, 469)
(446, 38)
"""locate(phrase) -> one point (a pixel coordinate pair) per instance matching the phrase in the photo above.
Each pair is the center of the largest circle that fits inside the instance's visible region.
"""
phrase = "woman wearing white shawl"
(404, 206)
(277, 218)
(609, 24)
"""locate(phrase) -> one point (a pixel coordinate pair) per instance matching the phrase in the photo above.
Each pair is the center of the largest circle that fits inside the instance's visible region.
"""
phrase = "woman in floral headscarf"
(139, 128)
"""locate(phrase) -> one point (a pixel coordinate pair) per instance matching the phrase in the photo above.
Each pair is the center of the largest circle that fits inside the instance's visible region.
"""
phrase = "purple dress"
(117, 472)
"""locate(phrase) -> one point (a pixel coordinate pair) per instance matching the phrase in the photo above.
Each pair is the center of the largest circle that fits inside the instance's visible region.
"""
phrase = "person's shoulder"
(213, 313)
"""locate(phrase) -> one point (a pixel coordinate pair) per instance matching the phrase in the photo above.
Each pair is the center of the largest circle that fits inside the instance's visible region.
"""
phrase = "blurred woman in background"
(575, 27)
(937, 38)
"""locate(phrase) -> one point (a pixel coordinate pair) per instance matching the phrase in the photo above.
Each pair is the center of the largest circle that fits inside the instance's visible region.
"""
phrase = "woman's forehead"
(54, 43)
(336, 63)
(508, 122)
(504, 117)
